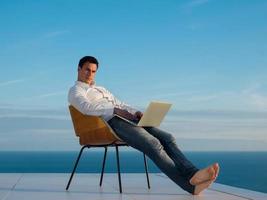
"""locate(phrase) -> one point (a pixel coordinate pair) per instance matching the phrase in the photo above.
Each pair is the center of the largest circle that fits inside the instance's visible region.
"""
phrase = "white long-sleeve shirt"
(95, 100)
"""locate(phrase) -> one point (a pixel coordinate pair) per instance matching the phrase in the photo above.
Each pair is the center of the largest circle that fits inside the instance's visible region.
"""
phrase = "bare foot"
(209, 173)
(202, 186)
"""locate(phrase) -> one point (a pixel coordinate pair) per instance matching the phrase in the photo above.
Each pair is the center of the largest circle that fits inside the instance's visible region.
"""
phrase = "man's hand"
(138, 115)
(124, 113)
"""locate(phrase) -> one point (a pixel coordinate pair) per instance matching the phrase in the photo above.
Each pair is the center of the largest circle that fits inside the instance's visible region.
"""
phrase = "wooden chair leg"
(118, 167)
(75, 166)
(103, 166)
(147, 177)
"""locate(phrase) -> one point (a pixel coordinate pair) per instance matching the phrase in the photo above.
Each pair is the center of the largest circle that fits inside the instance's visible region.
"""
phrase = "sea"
(240, 169)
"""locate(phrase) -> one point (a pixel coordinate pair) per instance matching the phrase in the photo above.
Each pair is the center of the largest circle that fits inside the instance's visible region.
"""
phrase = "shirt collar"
(83, 84)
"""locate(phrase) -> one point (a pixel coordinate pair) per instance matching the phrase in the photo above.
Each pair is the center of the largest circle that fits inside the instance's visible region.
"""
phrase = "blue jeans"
(161, 148)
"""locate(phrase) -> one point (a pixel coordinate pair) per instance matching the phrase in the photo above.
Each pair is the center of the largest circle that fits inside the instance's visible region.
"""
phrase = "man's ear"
(79, 68)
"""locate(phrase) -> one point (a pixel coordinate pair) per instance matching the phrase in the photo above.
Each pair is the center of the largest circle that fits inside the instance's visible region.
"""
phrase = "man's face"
(87, 72)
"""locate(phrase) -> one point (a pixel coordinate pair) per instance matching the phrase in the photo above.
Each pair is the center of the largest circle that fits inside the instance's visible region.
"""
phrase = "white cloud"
(255, 96)
(259, 101)
(53, 126)
(204, 98)
(62, 132)
(55, 33)
(51, 94)
(217, 127)
(251, 89)
(35, 41)
(11, 82)
(34, 116)
(250, 99)
(196, 3)
(189, 6)
(173, 94)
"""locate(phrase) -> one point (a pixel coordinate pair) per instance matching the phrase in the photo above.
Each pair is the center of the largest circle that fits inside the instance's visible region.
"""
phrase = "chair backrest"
(91, 129)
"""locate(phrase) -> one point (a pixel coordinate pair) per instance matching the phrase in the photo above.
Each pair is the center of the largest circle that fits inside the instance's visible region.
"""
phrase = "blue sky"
(207, 57)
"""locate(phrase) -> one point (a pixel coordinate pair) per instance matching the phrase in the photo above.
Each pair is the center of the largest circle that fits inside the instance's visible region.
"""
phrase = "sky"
(206, 57)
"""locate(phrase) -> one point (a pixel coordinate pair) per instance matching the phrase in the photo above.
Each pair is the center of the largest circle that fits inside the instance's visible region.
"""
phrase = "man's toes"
(216, 168)
(211, 173)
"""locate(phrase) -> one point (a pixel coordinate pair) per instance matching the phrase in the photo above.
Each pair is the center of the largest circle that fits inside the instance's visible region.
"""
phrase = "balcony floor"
(14, 186)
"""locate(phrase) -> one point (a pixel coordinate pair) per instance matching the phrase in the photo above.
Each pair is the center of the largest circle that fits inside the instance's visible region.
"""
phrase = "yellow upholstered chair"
(93, 131)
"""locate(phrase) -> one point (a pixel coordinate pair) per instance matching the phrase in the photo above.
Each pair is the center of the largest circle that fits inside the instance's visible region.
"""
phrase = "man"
(158, 145)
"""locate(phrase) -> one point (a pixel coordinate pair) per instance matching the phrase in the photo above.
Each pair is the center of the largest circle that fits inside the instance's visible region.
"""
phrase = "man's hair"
(89, 59)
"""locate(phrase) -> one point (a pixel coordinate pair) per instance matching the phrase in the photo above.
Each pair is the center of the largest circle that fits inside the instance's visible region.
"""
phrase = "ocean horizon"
(240, 169)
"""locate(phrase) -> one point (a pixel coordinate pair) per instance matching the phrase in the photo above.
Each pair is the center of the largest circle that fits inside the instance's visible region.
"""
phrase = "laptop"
(153, 115)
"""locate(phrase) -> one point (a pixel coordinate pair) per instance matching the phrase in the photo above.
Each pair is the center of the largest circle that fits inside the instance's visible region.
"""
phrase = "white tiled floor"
(86, 186)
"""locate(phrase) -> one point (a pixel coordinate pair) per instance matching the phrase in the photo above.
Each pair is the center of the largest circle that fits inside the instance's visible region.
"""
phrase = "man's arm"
(78, 99)
(121, 105)
(124, 110)
(127, 115)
